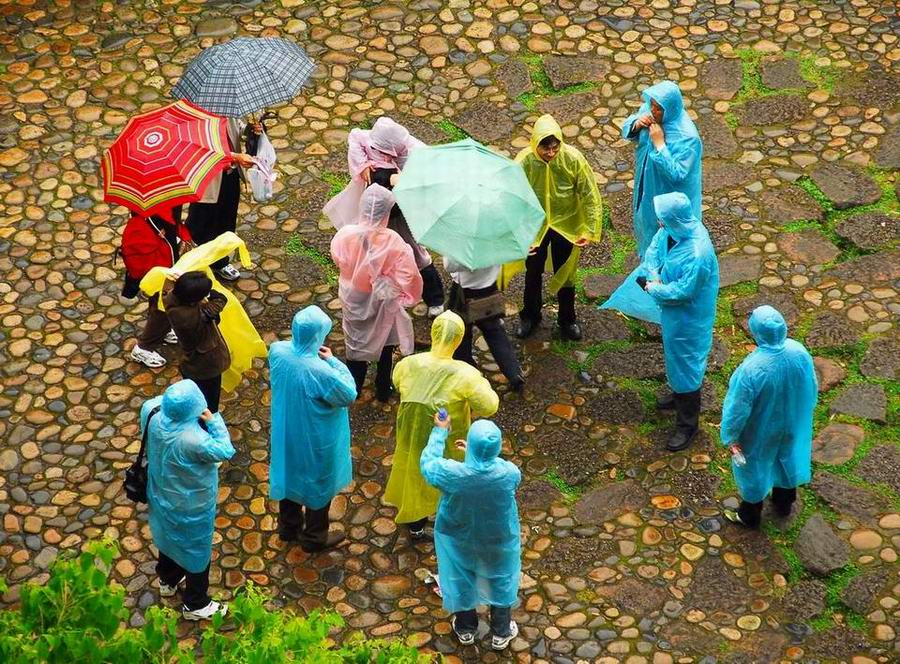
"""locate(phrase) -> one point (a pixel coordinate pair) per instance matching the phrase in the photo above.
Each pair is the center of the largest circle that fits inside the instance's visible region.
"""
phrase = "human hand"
(581, 242)
(735, 449)
(366, 175)
(206, 415)
(460, 445)
(325, 353)
(242, 159)
(644, 121)
(257, 127)
(395, 178)
(658, 136)
(532, 250)
(441, 423)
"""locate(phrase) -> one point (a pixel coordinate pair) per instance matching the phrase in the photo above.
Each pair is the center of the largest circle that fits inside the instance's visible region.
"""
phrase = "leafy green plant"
(78, 617)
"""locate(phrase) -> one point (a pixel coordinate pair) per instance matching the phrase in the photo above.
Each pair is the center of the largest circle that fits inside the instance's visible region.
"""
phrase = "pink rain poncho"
(386, 145)
(379, 278)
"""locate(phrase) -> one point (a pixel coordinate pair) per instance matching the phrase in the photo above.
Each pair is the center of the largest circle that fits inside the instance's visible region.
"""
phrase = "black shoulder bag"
(136, 477)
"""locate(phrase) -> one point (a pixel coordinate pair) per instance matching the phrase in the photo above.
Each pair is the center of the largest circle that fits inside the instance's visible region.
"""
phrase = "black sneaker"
(680, 440)
(570, 332)
(465, 638)
(527, 327)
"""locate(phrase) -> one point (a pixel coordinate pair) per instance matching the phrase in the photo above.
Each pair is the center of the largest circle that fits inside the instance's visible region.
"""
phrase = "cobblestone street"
(626, 554)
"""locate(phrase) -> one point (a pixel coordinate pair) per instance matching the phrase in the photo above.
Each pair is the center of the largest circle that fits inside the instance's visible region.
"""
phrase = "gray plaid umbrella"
(245, 75)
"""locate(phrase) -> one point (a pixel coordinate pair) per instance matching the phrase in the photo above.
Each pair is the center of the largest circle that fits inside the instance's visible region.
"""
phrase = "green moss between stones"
(453, 132)
(542, 87)
(569, 492)
(336, 182)
(296, 247)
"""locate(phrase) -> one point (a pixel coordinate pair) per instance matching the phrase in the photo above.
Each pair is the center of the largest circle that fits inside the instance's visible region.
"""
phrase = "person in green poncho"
(564, 183)
(428, 382)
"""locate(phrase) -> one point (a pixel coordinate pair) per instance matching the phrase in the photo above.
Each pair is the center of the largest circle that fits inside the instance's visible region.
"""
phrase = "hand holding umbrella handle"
(242, 159)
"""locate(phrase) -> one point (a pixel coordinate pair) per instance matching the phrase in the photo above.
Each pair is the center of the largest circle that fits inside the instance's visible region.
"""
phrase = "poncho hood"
(183, 401)
(375, 206)
(675, 212)
(768, 327)
(545, 126)
(483, 444)
(309, 329)
(389, 137)
(446, 334)
(668, 95)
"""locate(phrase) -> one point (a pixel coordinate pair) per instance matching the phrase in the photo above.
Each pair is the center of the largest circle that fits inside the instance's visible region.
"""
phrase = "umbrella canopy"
(245, 75)
(164, 158)
(468, 203)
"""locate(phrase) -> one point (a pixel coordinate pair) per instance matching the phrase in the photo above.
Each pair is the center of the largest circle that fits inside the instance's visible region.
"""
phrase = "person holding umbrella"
(565, 186)
(379, 278)
(377, 156)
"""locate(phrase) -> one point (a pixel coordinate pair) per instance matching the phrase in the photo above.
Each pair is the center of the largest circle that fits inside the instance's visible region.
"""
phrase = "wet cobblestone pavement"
(627, 557)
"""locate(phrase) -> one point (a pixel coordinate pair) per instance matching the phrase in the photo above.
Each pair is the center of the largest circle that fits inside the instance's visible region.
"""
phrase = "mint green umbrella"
(466, 202)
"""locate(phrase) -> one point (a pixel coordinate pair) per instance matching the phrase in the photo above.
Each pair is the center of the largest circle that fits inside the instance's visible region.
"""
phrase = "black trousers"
(196, 586)
(212, 390)
(432, 286)
(295, 521)
(493, 331)
(383, 387)
(560, 249)
(467, 621)
(207, 221)
(687, 410)
(782, 500)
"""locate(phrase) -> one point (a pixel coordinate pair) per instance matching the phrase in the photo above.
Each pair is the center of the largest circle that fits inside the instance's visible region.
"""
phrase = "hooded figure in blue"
(476, 532)
(183, 484)
(768, 415)
(683, 279)
(310, 454)
(669, 154)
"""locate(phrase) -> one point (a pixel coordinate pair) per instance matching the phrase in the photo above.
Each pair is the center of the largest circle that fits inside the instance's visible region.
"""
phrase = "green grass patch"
(453, 132)
(823, 77)
(295, 246)
(336, 182)
(569, 492)
(542, 88)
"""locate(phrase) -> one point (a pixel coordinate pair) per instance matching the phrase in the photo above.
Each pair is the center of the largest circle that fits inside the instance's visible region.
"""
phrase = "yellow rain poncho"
(242, 339)
(568, 192)
(427, 382)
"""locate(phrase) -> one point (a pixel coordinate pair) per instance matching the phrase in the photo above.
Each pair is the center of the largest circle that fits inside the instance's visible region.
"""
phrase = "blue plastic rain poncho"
(768, 410)
(310, 455)
(476, 534)
(183, 474)
(677, 167)
(686, 291)
(427, 382)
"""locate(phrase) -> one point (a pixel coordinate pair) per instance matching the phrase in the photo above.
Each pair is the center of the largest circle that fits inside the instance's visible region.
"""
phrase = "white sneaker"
(149, 358)
(500, 642)
(169, 591)
(171, 337)
(436, 310)
(206, 612)
(229, 273)
(465, 638)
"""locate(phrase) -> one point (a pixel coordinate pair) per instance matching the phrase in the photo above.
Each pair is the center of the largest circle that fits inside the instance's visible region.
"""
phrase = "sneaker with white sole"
(166, 590)
(229, 273)
(465, 638)
(171, 337)
(436, 310)
(206, 613)
(500, 642)
(148, 358)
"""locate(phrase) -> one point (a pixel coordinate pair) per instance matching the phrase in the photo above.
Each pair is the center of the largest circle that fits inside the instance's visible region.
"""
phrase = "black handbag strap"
(153, 412)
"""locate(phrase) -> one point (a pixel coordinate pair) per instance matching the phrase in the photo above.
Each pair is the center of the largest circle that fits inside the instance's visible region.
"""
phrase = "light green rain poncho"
(568, 192)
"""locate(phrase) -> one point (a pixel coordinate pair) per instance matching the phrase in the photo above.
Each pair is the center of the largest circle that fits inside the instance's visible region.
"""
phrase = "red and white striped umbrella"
(165, 157)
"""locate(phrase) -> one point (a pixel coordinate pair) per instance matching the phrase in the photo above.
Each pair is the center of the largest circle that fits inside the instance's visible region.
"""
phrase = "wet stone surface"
(846, 187)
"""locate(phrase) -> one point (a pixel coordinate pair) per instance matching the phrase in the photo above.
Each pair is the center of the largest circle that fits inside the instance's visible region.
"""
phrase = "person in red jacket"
(149, 242)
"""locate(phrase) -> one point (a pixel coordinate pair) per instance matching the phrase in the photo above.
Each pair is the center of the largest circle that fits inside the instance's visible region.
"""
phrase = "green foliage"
(823, 77)
(295, 246)
(453, 132)
(337, 181)
(622, 246)
(542, 87)
(77, 617)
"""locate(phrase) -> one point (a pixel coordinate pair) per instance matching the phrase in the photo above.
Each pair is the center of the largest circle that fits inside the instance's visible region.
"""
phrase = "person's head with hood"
(483, 444)
(768, 327)
(665, 101)
(675, 214)
(388, 137)
(446, 334)
(375, 206)
(546, 138)
(309, 329)
(183, 401)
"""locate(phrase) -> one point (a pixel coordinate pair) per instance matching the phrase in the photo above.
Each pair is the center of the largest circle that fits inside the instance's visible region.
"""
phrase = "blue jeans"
(467, 621)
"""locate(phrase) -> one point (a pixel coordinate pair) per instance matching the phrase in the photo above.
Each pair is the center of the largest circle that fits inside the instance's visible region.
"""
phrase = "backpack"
(136, 476)
(143, 248)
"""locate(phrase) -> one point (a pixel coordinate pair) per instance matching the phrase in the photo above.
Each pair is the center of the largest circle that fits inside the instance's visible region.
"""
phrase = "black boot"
(666, 402)
(687, 416)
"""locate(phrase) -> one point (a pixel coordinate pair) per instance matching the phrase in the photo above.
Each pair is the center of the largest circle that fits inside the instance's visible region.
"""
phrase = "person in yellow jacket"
(428, 382)
(564, 183)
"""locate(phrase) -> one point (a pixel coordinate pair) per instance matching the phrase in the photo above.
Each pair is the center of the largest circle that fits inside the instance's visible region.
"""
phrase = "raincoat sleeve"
(737, 407)
(342, 390)
(213, 448)
(677, 160)
(680, 290)
(437, 470)
(651, 262)
(629, 123)
(483, 401)
(406, 275)
(357, 161)
(589, 196)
